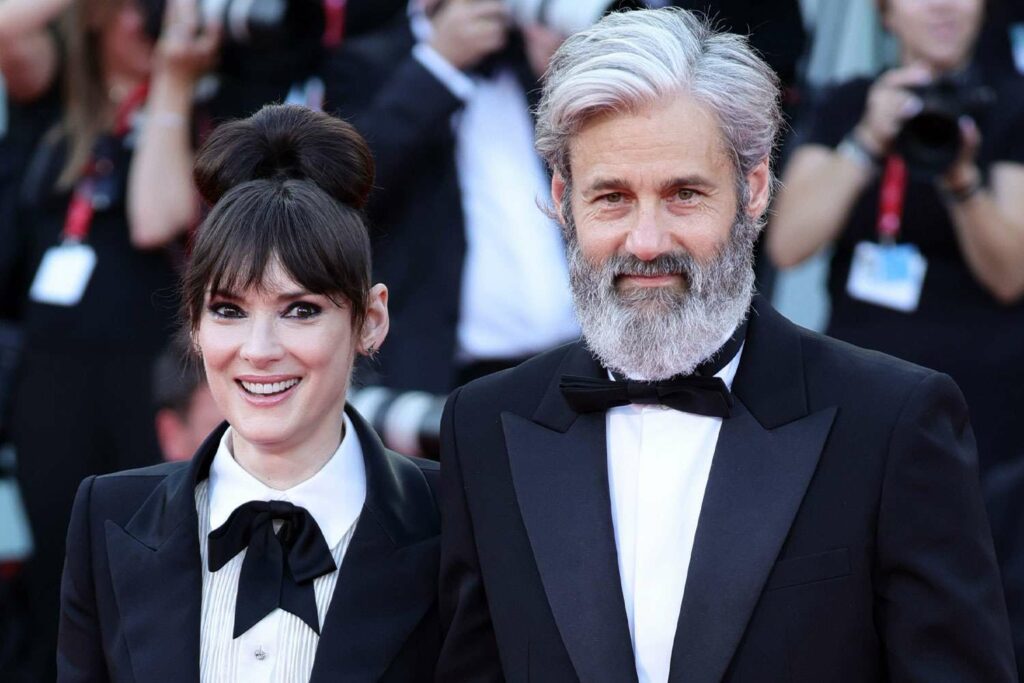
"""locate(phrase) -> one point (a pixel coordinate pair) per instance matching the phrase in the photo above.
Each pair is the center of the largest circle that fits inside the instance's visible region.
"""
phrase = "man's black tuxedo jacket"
(132, 590)
(417, 225)
(842, 535)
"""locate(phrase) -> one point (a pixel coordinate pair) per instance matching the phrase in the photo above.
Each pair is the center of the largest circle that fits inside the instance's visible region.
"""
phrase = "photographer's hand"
(989, 219)
(541, 43)
(29, 57)
(889, 105)
(466, 31)
(162, 204)
(185, 52)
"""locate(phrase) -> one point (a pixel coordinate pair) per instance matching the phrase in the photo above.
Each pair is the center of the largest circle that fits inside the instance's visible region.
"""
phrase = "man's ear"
(558, 187)
(759, 184)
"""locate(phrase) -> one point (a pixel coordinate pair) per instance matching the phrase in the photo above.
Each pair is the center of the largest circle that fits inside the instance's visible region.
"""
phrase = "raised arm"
(821, 184)
(28, 50)
(162, 204)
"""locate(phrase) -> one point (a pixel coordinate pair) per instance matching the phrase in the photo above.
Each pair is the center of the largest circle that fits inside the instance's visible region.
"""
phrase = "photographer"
(476, 269)
(102, 212)
(927, 223)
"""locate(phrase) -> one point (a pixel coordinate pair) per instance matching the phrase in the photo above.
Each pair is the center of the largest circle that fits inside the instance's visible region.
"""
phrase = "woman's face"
(126, 47)
(278, 361)
(939, 33)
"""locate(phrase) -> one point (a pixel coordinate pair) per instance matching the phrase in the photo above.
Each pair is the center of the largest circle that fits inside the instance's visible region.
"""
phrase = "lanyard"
(334, 23)
(890, 201)
(86, 197)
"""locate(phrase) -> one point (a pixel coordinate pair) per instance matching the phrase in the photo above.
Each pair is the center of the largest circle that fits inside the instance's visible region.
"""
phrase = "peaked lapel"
(388, 578)
(157, 576)
(559, 470)
(767, 453)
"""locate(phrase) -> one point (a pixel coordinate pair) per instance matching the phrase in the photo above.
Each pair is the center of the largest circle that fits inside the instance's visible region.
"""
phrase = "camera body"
(930, 140)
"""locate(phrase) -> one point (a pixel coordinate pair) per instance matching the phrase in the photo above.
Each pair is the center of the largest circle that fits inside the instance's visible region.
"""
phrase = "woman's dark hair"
(287, 183)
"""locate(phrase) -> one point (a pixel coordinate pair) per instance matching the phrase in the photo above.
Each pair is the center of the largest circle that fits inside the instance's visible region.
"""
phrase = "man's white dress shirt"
(281, 647)
(659, 460)
(515, 297)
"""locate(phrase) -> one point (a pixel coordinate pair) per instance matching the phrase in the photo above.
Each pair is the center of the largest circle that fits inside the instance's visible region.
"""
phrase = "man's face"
(652, 183)
(659, 250)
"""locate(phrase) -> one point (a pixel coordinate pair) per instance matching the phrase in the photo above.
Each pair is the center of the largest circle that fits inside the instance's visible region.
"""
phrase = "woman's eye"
(302, 310)
(222, 310)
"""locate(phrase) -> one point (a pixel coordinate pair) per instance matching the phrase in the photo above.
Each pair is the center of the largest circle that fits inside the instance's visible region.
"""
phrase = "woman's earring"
(370, 350)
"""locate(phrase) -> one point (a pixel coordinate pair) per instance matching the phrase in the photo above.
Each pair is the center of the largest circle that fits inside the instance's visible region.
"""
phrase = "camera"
(256, 23)
(565, 16)
(930, 140)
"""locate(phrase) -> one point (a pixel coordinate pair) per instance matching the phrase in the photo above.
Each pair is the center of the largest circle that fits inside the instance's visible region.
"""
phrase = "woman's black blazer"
(132, 587)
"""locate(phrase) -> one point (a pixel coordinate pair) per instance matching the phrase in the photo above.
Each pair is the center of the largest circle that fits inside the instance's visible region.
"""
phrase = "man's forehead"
(677, 135)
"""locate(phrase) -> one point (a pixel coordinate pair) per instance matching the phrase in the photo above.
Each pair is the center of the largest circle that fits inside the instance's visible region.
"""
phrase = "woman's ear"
(376, 323)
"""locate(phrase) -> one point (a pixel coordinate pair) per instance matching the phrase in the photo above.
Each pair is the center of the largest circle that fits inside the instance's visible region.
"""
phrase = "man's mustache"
(670, 263)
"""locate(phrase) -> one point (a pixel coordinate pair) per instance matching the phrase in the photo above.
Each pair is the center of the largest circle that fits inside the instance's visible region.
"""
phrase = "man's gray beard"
(657, 332)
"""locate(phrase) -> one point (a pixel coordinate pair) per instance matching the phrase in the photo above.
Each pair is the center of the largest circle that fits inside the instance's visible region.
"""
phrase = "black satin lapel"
(757, 482)
(561, 484)
(159, 596)
(383, 592)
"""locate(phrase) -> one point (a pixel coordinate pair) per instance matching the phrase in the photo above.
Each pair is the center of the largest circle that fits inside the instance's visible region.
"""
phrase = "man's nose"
(262, 344)
(649, 236)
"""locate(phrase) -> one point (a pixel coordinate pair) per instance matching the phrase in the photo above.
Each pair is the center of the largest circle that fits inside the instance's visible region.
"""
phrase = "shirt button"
(260, 655)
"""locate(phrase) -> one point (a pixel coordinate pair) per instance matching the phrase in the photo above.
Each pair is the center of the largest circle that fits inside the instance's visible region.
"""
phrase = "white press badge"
(890, 275)
(63, 274)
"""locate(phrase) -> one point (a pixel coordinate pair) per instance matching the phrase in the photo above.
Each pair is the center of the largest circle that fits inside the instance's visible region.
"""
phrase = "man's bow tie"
(692, 394)
(278, 569)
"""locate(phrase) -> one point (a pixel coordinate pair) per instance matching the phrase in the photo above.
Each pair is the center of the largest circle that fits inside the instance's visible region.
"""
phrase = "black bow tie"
(278, 569)
(691, 394)
(700, 393)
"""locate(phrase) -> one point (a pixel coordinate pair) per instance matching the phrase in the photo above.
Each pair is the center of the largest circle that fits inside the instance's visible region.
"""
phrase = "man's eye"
(302, 310)
(612, 198)
(222, 310)
(686, 195)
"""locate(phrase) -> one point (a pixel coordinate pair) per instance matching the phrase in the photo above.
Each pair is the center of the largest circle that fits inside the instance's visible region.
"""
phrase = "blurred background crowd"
(899, 224)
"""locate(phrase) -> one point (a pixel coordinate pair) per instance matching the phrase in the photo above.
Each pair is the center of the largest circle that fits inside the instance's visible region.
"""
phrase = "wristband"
(855, 150)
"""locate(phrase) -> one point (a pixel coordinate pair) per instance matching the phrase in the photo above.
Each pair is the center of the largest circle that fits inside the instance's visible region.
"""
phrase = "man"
(785, 508)
(476, 270)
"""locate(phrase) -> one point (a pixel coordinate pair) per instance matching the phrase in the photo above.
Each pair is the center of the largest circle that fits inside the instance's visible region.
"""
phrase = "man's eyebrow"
(693, 180)
(602, 184)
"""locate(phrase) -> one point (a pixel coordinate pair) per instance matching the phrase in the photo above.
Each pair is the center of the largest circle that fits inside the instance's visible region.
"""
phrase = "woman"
(103, 209)
(278, 299)
(934, 273)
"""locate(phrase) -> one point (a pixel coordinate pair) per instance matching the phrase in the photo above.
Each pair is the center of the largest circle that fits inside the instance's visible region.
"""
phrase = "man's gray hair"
(630, 60)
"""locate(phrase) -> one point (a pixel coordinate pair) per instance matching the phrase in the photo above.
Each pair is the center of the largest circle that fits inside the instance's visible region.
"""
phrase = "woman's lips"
(267, 391)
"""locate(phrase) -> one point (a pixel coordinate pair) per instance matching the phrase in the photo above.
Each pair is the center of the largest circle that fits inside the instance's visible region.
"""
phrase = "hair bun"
(287, 141)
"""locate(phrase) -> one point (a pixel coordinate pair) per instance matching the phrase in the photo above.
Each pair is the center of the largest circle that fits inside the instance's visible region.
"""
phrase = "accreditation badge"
(889, 275)
(63, 274)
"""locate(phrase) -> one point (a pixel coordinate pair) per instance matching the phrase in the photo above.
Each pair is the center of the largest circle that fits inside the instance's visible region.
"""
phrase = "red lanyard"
(78, 220)
(890, 200)
(334, 23)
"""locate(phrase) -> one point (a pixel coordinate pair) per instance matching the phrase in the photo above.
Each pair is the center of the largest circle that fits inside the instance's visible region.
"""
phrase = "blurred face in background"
(181, 432)
(939, 33)
(125, 48)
